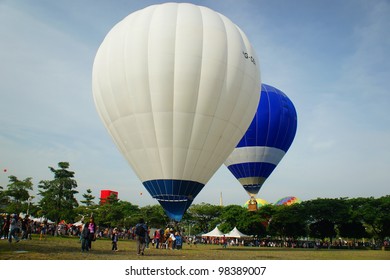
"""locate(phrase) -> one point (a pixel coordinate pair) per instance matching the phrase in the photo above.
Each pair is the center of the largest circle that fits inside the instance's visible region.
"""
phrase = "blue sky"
(330, 57)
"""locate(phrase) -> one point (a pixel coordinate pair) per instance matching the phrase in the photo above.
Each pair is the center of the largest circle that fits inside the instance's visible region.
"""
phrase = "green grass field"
(69, 248)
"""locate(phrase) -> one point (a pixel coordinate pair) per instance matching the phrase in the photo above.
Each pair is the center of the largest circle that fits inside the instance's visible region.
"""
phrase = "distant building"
(105, 194)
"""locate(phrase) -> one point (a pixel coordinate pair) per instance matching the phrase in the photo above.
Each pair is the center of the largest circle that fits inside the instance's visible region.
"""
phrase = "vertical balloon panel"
(176, 92)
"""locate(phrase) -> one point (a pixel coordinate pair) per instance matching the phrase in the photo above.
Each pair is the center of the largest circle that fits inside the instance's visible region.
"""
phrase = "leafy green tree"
(112, 199)
(202, 216)
(117, 214)
(288, 221)
(58, 195)
(322, 229)
(374, 213)
(352, 225)
(248, 222)
(82, 212)
(88, 198)
(352, 230)
(323, 214)
(4, 200)
(189, 225)
(18, 194)
(232, 216)
(252, 224)
(266, 212)
(155, 216)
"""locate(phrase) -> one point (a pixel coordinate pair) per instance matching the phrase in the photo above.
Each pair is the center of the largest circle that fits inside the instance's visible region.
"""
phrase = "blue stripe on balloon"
(251, 169)
(175, 196)
(252, 189)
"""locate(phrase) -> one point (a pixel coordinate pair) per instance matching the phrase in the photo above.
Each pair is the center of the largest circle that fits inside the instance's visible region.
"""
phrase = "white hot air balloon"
(176, 86)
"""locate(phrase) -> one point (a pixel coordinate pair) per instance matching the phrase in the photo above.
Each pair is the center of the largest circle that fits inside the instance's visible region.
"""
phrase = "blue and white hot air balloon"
(177, 86)
(266, 141)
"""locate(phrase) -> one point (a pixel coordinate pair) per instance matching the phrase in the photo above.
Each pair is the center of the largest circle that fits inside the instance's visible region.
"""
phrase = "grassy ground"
(69, 248)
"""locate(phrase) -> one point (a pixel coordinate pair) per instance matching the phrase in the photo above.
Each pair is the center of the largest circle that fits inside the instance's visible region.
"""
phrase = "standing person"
(157, 238)
(43, 230)
(147, 241)
(29, 228)
(84, 236)
(162, 240)
(172, 242)
(14, 228)
(2, 220)
(114, 239)
(178, 241)
(92, 232)
(6, 225)
(25, 225)
(224, 241)
(167, 233)
(140, 234)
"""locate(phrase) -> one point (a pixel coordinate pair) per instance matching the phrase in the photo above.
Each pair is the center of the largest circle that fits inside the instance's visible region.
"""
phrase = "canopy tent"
(40, 220)
(235, 233)
(214, 233)
(79, 223)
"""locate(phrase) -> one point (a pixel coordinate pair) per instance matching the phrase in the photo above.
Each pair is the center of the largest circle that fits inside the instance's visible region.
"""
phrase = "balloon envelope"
(288, 200)
(266, 141)
(176, 85)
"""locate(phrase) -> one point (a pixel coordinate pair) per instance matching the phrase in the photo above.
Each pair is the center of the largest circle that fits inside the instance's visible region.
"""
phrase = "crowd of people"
(293, 243)
(167, 238)
(15, 228)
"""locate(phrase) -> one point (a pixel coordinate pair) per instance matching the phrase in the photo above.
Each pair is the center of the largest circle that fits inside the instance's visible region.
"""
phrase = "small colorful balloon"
(288, 200)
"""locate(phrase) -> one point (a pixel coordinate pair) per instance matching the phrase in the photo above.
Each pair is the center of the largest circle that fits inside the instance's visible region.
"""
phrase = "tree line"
(321, 218)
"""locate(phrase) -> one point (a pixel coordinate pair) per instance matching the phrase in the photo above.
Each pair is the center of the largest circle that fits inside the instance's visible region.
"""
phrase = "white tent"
(79, 223)
(235, 233)
(214, 233)
(40, 220)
